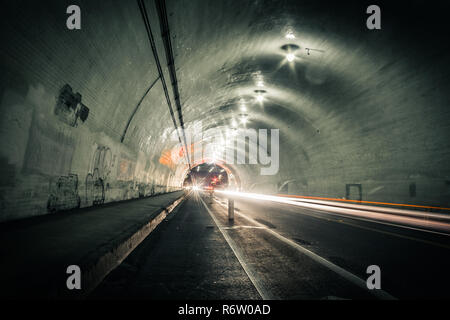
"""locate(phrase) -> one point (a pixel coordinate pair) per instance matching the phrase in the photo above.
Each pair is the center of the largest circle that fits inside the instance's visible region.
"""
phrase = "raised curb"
(93, 273)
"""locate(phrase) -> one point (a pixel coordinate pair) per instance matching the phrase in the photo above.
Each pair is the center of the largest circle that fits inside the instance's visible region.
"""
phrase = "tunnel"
(323, 126)
(209, 176)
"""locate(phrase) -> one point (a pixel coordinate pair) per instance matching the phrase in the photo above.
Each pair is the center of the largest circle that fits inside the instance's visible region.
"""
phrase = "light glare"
(290, 35)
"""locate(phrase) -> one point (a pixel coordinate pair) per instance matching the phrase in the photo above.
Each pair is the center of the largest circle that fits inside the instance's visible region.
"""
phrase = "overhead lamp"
(290, 50)
(290, 57)
(259, 95)
(243, 107)
(290, 35)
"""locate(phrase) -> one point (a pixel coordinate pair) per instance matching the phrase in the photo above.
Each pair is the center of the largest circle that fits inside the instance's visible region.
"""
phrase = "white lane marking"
(262, 290)
(243, 227)
(381, 294)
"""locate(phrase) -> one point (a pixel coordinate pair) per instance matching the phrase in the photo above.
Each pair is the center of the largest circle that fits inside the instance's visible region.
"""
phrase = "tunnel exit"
(207, 176)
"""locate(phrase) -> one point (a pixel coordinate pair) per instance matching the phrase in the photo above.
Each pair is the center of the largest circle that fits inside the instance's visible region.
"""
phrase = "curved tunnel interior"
(271, 149)
(126, 106)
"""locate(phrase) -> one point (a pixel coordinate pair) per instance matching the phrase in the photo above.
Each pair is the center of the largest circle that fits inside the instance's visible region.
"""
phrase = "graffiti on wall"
(125, 170)
(64, 194)
(97, 180)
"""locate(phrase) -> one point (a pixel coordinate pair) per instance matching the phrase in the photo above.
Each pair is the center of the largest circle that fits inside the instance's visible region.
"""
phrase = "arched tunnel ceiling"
(351, 83)
(355, 105)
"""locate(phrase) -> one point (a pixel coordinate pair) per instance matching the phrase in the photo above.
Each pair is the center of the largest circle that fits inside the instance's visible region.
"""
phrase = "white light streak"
(399, 217)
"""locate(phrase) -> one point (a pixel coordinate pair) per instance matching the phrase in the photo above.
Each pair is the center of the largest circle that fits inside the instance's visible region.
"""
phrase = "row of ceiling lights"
(259, 97)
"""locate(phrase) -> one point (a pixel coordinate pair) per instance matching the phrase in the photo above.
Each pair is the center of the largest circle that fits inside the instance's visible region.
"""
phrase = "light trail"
(417, 220)
(363, 201)
(409, 213)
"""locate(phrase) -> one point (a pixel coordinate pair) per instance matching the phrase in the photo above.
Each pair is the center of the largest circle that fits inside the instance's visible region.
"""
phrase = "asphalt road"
(278, 251)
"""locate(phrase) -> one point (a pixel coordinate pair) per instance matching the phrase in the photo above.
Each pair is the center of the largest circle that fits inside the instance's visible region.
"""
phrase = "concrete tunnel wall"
(49, 164)
(365, 108)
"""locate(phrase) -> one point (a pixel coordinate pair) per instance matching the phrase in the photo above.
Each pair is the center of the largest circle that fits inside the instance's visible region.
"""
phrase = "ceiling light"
(290, 35)
(260, 84)
(259, 98)
(243, 107)
(290, 57)
(244, 120)
(233, 123)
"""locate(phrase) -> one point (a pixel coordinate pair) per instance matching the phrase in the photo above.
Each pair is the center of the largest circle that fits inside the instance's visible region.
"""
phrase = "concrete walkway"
(186, 258)
(35, 253)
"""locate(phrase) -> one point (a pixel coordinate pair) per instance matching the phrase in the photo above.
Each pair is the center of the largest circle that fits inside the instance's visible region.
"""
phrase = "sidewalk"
(186, 258)
(35, 253)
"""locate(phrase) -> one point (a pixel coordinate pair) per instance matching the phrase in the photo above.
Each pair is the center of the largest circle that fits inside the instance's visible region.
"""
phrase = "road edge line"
(265, 295)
